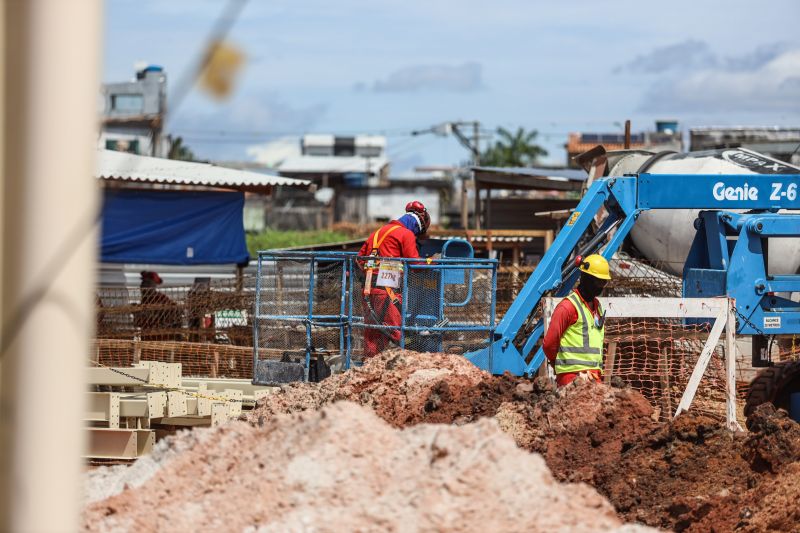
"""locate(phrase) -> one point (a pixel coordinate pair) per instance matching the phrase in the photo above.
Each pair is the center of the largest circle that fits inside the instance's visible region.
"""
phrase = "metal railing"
(314, 304)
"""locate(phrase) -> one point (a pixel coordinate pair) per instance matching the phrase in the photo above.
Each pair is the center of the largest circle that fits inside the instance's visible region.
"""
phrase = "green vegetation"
(513, 149)
(178, 150)
(271, 239)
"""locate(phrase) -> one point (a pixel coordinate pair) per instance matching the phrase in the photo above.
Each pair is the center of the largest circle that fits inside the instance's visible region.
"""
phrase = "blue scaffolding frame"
(441, 273)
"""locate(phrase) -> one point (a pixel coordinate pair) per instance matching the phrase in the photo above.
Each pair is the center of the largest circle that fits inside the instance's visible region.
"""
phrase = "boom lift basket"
(312, 310)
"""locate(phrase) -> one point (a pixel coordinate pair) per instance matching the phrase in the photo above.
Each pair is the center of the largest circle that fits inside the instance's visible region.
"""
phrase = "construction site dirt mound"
(575, 428)
(694, 475)
(774, 505)
(344, 469)
(688, 474)
(579, 428)
(405, 388)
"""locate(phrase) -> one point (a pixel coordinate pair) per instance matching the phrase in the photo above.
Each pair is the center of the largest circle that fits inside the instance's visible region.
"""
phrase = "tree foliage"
(180, 151)
(518, 149)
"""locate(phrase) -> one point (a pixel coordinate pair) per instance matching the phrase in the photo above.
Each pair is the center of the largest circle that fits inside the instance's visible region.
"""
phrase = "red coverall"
(563, 317)
(397, 242)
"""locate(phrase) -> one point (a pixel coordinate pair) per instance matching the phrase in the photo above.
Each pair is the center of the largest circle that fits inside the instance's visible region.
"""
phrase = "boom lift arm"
(624, 198)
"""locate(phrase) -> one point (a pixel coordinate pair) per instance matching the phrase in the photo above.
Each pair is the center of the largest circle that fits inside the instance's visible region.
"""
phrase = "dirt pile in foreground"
(687, 474)
(343, 469)
(575, 428)
(693, 475)
(405, 388)
(690, 474)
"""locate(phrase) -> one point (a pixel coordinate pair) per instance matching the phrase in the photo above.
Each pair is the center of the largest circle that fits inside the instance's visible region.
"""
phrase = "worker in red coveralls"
(159, 317)
(573, 343)
(381, 298)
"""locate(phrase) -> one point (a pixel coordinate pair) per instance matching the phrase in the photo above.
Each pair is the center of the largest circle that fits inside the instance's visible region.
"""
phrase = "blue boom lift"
(728, 257)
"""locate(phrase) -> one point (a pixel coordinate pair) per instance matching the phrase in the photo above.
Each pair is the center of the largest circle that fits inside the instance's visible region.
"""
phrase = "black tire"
(773, 385)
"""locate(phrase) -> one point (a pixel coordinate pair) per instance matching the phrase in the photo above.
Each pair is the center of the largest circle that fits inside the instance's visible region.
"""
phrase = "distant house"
(334, 161)
(340, 165)
(665, 137)
(777, 142)
(168, 212)
(388, 200)
(133, 114)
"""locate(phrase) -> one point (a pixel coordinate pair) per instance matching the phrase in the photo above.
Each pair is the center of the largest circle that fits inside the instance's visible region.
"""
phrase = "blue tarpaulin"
(173, 227)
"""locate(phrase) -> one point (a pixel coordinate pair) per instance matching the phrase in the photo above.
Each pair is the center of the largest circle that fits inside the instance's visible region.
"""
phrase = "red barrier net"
(657, 357)
(206, 326)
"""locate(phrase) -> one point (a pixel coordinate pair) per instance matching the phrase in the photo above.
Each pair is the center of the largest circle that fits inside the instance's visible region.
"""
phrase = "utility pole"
(476, 161)
(51, 52)
(473, 145)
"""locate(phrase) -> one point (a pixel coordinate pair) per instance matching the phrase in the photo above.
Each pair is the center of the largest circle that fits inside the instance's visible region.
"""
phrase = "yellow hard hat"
(595, 265)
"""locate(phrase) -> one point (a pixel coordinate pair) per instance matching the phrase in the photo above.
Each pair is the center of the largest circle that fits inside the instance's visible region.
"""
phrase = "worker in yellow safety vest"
(573, 343)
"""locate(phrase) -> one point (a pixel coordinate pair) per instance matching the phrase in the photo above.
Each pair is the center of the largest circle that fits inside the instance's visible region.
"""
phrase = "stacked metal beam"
(130, 407)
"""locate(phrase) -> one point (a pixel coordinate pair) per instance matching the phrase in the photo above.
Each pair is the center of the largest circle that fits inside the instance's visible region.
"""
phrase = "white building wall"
(391, 203)
(142, 136)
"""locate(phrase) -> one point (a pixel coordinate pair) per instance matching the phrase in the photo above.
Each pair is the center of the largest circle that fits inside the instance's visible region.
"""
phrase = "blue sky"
(394, 66)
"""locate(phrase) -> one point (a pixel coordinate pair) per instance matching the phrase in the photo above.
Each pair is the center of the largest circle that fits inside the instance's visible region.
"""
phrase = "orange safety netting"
(206, 326)
(657, 357)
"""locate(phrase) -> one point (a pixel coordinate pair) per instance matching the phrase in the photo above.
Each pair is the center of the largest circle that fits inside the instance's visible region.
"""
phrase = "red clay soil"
(689, 474)
(344, 469)
(580, 428)
(406, 388)
(692, 475)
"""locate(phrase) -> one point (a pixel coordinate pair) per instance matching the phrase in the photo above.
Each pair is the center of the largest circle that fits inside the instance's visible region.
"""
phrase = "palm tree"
(513, 149)
(178, 150)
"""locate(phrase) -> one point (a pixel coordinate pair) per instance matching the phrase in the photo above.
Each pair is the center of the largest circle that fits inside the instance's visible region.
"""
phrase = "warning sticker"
(772, 322)
(390, 274)
(573, 218)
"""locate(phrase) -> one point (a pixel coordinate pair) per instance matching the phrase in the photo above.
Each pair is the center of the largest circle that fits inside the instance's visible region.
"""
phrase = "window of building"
(127, 103)
(369, 151)
(130, 146)
(344, 146)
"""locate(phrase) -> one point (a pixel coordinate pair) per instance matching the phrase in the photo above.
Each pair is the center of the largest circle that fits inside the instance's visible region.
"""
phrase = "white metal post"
(51, 82)
(730, 368)
(702, 362)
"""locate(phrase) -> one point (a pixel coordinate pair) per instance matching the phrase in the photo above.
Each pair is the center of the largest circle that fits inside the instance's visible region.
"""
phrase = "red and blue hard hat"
(418, 208)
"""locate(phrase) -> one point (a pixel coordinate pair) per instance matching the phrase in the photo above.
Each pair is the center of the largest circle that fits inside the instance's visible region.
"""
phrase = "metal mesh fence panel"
(440, 306)
(198, 360)
(206, 326)
(302, 306)
(630, 277)
(657, 357)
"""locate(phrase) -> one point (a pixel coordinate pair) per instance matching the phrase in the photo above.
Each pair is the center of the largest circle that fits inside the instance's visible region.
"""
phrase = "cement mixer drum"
(666, 236)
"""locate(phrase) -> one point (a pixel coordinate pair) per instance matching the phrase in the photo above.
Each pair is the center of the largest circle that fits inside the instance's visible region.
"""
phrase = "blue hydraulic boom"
(729, 255)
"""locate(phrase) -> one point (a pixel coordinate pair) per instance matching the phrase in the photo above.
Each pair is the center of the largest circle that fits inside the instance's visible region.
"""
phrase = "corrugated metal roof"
(311, 164)
(125, 167)
(579, 148)
(559, 174)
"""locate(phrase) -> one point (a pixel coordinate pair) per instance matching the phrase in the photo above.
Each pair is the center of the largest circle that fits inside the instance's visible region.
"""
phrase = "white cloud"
(690, 54)
(460, 78)
(224, 131)
(274, 152)
(773, 86)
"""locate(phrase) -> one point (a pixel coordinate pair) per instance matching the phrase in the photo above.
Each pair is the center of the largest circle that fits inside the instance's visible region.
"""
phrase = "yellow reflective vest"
(581, 346)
